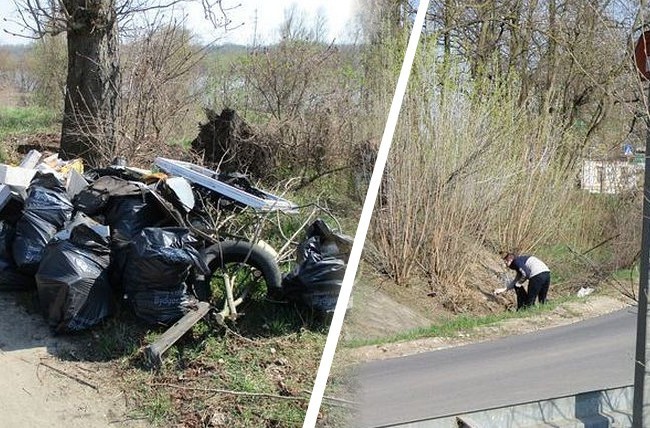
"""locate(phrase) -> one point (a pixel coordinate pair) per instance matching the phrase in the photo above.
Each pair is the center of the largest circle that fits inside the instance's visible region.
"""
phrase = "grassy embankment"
(24, 121)
(463, 323)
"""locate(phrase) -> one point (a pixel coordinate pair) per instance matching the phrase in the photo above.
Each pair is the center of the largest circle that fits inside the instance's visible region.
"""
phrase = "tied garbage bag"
(127, 216)
(46, 210)
(10, 278)
(161, 259)
(162, 306)
(127, 207)
(72, 280)
(158, 266)
(94, 199)
(322, 260)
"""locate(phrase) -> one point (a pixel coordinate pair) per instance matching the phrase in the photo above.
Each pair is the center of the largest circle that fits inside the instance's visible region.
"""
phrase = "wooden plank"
(154, 352)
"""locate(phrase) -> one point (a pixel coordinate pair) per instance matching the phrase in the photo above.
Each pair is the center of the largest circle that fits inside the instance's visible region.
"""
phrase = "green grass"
(206, 362)
(157, 408)
(461, 323)
(26, 120)
(627, 274)
(273, 350)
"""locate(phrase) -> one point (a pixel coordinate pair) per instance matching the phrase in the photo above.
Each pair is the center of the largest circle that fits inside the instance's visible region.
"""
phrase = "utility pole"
(641, 404)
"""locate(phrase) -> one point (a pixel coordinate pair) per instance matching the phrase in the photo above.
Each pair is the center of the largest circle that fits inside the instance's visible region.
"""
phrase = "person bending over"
(527, 268)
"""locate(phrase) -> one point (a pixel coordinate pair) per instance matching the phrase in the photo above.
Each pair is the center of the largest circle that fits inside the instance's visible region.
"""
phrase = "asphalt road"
(594, 354)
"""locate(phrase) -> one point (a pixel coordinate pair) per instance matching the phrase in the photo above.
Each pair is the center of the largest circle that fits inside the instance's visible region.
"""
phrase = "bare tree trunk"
(92, 81)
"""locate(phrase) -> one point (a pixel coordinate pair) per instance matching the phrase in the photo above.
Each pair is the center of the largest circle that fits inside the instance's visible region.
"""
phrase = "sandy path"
(37, 389)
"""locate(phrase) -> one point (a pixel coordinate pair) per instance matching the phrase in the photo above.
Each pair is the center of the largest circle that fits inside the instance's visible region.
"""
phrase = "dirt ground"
(41, 384)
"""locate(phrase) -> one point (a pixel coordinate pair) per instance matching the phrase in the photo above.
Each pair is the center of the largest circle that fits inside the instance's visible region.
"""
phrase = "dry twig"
(229, 392)
(73, 377)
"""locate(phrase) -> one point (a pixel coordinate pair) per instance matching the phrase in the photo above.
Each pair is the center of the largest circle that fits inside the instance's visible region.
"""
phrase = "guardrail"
(594, 409)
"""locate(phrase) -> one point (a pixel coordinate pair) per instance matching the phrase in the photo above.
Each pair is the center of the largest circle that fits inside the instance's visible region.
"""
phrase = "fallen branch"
(601, 244)
(335, 400)
(81, 381)
(307, 181)
(230, 392)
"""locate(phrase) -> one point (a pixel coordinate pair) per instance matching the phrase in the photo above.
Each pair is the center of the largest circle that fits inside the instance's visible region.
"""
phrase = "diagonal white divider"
(364, 221)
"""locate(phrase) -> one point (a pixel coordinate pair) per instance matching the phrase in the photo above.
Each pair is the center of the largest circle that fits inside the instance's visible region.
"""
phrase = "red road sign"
(641, 57)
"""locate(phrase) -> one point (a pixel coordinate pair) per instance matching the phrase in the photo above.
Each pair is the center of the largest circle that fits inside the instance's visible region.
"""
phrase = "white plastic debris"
(585, 291)
(31, 159)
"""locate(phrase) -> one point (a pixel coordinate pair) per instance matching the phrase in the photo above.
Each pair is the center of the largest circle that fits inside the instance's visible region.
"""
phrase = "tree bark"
(92, 82)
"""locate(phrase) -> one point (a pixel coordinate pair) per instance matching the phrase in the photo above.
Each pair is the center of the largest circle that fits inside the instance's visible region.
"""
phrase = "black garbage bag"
(13, 210)
(322, 260)
(161, 259)
(72, 280)
(10, 278)
(6, 239)
(95, 197)
(127, 216)
(47, 208)
(162, 306)
(127, 207)
(157, 269)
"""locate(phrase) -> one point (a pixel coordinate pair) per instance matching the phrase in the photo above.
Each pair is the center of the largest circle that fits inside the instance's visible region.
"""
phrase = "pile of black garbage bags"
(118, 241)
(112, 242)
(321, 262)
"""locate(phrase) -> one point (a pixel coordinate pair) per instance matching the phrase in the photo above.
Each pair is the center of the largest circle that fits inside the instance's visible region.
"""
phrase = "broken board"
(155, 351)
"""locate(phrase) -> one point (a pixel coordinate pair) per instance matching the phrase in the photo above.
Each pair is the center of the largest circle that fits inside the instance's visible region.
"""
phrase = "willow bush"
(473, 171)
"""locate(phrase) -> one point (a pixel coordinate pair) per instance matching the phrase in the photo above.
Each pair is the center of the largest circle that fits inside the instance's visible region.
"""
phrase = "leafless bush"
(158, 92)
(465, 170)
(301, 96)
(17, 73)
(49, 70)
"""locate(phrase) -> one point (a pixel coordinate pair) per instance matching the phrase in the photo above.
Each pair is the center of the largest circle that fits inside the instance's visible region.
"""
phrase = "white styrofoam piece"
(31, 159)
(52, 159)
(75, 183)
(208, 178)
(183, 190)
(15, 176)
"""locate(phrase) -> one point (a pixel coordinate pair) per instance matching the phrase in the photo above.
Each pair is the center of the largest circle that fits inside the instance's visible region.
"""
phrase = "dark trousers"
(522, 297)
(538, 288)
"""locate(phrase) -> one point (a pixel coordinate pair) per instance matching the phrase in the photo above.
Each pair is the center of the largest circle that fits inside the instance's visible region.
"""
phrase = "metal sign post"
(641, 406)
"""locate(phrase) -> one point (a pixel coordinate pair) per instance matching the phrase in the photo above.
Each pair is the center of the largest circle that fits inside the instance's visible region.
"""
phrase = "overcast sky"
(269, 13)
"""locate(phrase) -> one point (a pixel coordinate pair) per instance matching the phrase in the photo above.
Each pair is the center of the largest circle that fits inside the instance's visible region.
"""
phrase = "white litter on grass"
(585, 291)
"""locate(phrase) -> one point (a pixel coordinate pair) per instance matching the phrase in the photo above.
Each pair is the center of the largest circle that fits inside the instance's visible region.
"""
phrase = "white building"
(611, 176)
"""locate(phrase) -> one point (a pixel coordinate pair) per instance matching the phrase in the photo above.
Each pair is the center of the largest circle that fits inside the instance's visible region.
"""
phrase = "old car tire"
(228, 252)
